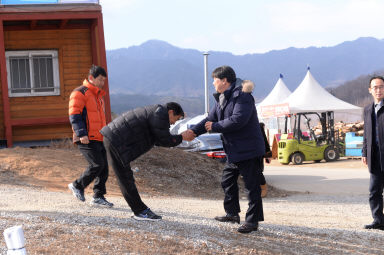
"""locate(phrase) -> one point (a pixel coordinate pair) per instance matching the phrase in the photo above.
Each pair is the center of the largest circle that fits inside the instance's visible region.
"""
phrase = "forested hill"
(356, 90)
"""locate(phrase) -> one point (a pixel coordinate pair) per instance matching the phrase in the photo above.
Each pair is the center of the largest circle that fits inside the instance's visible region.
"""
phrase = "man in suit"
(373, 150)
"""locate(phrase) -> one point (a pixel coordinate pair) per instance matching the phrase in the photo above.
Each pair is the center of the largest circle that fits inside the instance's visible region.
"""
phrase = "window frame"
(29, 54)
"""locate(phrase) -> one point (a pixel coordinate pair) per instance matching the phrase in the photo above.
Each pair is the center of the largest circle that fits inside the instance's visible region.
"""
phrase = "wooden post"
(4, 87)
(103, 63)
(95, 58)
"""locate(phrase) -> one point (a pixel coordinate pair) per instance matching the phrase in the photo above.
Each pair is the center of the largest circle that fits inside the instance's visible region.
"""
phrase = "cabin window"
(33, 73)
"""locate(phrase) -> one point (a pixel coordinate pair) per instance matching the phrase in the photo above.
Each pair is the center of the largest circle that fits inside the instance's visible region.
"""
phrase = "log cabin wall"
(75, 57)
(74, 35)
(2, 126)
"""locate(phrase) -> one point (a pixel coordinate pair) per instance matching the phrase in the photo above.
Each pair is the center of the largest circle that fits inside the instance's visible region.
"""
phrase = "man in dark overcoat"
(373, 150)
(234, 116)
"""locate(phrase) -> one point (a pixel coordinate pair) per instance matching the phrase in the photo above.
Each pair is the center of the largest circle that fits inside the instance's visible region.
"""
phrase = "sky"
(241, 26)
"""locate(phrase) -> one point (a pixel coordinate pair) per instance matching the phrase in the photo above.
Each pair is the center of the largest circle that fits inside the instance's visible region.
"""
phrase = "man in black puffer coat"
(131, 135)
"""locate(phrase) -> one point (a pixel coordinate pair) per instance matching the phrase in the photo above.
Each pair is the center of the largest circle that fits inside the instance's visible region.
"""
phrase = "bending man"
(131, 135)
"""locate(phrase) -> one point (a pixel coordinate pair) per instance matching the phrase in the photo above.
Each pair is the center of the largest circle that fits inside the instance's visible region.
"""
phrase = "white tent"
(278, 94)
(310, 96)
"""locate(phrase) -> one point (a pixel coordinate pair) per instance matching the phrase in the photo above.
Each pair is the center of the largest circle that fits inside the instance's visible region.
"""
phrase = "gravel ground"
(55, 223)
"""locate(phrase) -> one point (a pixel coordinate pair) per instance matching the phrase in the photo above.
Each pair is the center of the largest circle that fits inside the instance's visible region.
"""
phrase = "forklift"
(300, 145)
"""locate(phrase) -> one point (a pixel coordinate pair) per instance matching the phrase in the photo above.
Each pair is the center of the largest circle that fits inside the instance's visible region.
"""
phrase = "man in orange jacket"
(87, 117)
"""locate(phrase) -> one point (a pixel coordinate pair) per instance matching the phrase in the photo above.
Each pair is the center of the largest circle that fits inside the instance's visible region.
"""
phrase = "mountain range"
(157, 72)
(158, 68)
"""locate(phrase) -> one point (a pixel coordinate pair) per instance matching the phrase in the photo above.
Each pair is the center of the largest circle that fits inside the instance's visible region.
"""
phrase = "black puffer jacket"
(135, 132)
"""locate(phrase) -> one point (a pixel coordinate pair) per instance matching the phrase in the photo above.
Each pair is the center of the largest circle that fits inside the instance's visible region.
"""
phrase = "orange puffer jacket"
(86, 112)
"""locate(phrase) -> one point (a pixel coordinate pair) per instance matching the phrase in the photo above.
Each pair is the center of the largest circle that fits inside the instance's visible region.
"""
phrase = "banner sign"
(275, 110)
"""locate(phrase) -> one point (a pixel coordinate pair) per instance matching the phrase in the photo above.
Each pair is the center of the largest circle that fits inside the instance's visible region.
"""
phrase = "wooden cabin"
(46, 51)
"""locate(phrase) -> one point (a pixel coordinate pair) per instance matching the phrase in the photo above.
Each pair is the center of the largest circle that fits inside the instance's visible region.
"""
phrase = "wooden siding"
(35, 133)
(2, 125)
(75, 57)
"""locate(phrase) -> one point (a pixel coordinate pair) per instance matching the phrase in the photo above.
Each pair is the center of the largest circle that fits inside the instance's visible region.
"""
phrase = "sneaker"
(229, 218)
(101, 201)
(147, 214)
(78, 193)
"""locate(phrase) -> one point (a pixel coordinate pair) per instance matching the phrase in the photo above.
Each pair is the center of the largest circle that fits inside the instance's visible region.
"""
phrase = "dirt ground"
(166, 173)
(162, 171)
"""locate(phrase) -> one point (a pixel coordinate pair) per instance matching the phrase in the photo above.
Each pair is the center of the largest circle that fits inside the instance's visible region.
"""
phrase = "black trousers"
(97, 169)
(262, 177)
(250, 171)
(376, 185)
(126, 180)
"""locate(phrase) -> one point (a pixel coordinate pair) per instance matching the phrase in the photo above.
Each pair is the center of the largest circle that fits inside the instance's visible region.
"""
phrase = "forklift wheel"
(331, 154)
(297, 158)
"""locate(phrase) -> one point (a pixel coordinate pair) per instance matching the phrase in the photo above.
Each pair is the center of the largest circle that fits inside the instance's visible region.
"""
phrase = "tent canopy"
(310, 96)
(278, 94)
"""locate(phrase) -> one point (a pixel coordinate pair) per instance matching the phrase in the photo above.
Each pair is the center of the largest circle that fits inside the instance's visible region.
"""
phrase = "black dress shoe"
(374, 225)
(228, 218)
(248, 227)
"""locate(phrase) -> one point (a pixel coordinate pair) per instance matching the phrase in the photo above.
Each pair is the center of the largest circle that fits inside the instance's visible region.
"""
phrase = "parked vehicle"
(203, 143)
(306, 146)
(209, 143)
(218, 155)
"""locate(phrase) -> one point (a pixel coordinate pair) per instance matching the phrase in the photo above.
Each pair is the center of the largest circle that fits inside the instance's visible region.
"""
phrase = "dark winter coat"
(370, 134)
(135, 132)
(238, 123)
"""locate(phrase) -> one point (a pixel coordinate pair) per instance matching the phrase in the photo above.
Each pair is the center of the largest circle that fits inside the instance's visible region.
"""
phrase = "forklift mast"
(323, 122)
(331, 128)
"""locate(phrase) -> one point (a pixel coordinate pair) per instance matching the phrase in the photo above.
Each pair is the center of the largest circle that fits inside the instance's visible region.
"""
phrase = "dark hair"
(175, 107)
(95, 71)
(374, 78)
(224, 72)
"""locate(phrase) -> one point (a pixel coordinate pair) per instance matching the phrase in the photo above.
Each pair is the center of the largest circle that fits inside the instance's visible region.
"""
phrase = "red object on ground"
(216, 154)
